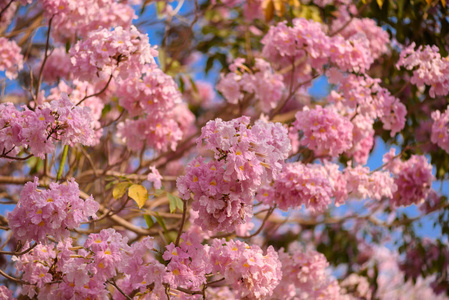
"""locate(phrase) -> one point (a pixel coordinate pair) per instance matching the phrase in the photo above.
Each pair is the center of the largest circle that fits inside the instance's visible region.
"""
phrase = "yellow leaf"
(428, 2)
(295, 3)
(443, 2)
(138, 193)
(268, 9)
(380, 3)
(120, 190)
(279, 7)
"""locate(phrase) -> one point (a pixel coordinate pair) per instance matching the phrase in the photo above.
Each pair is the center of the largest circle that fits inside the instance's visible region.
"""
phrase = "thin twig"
(13, 278)
(184, 212)
(261, 226)
(5, 8)
(18, 253)
(98, 93)
(120, 290)
(41, 71)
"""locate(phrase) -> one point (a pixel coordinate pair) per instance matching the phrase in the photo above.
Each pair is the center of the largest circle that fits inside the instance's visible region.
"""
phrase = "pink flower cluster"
(73, 122)
(155, 94)
(8, 14)
(73, 19)
(363, 184)
(308, 45)
(142, 271)
(440, 129)
(266, 86)
(11, 60)
(35, 266)
(157, 101)
(155, 177)
(188, 263)
(80, 89)
(5, 293)
(429, 68)
(251, 274)
(201, 95)
(297, 185)
(324, 131)
(245, 157)
(57, 66)
(49, 212)
(368, 98)
(315, 185)
(60, 120)
(413, 178)
(363, 138)
(160, 133)
(120, 52)
(64, 272)
(376, 37)
(305, 277)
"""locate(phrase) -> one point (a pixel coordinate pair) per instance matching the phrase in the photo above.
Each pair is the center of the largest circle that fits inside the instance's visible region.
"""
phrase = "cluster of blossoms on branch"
(428, 67)
(38, 129)
(266, 86)
(50, 212)
(80, 18)
(11, 60)
(413, 178)
(245, 157)
(64, 270)
(107, 70)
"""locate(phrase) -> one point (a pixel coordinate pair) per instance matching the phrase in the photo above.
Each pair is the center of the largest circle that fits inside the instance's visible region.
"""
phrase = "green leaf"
(161, 58)
(160, 5)
(209, 64)
(195, 89)
(67, 47)
(148, 220)
(179, 204)
(139, 194)
(175, 202)
(181, 85)
(159, 192)
(172, 201)
(161, 222)
(120, 190)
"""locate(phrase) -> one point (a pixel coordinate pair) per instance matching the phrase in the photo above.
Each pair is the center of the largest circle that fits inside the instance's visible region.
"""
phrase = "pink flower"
(160, 133)
(413, 178)
(266, 86)
(304, 275)
(5, 293)
(245, 157)
(440, 132)
(72, 19)
(57, 66)
(11, 60)
(155, 177)
(362, 184)
(324, 131)
(121, 53)
(250, 273)
(49, 212)
(429, 68)
(297, 185)
(155, 94)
